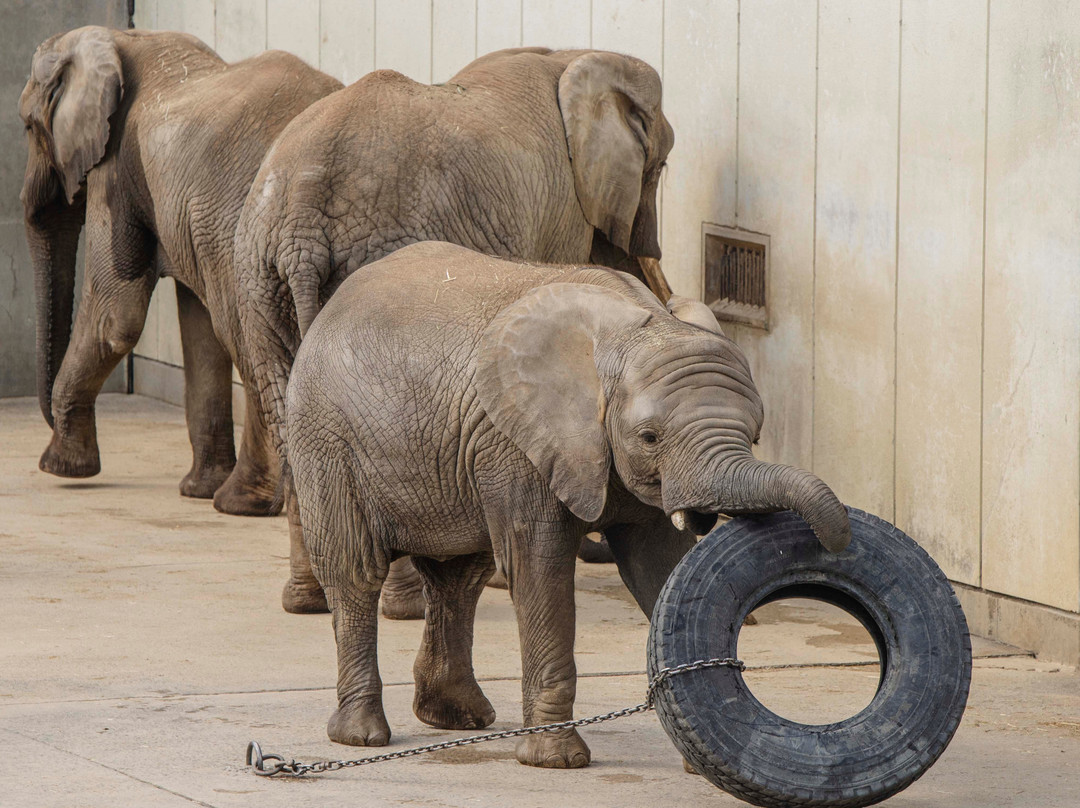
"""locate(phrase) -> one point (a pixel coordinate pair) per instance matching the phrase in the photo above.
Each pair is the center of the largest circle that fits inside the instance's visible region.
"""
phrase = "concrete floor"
(143, 646)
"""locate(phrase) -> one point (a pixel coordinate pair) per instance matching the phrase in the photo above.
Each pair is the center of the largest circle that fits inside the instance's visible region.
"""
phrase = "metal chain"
(258, 759)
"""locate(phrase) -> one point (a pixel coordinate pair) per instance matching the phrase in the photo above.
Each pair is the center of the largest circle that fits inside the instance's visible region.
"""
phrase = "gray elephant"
(451, 406)
(152, 141)
(525, 153)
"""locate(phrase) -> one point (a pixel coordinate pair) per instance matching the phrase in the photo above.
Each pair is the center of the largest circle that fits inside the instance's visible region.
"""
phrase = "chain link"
(258, 759)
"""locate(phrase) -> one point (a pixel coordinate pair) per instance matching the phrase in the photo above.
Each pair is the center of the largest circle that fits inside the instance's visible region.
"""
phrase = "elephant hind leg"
(359, 719)
(302, 593)
(447, 694)
(253, 488)
(336, 532)
(207, 398)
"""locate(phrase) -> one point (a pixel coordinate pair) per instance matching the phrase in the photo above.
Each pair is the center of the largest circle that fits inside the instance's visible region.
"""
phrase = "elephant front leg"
(207, 398)
(542, 588)
(302, 593)
(359, 719)
(109, 322)
(447, 694)
(73, 449)
(253, 487)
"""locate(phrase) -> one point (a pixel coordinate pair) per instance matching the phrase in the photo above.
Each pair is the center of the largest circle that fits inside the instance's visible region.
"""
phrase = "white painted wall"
(917, 166)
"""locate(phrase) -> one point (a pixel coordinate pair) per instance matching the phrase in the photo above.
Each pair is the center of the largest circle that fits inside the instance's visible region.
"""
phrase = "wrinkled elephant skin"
(526, 153)
(151, 141)
(458, 409)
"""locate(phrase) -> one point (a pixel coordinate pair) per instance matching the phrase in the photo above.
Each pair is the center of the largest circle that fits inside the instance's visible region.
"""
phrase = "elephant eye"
(649, 437)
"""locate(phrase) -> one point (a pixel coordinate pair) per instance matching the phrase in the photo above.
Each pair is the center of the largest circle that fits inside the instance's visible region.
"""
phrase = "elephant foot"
(359, 723)
(403, 592)
(563, 749)
(456, 705)
(240, 495)
(303, 598)
(63, 460)
(201, 483)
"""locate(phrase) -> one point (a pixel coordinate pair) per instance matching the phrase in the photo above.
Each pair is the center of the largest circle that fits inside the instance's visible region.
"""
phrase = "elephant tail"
(305, 294)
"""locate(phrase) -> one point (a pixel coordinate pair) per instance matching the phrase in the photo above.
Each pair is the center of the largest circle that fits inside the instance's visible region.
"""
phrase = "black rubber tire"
(889, 584)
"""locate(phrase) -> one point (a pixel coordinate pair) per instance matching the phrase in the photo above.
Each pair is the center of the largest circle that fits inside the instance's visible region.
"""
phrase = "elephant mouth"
(697, 522)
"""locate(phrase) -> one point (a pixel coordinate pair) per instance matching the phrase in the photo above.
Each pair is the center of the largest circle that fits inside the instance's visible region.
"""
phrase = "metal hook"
(256, 759)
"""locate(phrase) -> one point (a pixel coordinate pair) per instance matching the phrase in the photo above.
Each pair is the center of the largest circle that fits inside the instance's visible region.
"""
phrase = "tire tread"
(697, 751)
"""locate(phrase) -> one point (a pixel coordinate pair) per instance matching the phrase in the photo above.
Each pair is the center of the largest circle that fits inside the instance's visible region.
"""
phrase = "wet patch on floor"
(467, 755)
(847, 634)
(622, 778)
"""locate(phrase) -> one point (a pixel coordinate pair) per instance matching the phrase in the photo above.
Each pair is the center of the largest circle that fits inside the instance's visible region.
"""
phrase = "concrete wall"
(917, 167)
(23, 25)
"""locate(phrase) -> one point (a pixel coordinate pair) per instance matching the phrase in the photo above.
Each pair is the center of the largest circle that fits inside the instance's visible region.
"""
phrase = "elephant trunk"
(52, 235)
(747, 485)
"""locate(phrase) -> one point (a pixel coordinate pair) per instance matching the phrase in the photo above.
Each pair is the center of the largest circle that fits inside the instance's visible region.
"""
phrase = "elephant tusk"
(679, 520)
(654, 278)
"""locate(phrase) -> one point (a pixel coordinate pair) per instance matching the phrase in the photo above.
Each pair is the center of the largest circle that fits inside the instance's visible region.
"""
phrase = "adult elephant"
(151, 141)
(527, 153)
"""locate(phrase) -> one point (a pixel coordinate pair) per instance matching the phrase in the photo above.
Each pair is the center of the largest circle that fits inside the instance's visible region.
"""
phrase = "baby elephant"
(450, 406)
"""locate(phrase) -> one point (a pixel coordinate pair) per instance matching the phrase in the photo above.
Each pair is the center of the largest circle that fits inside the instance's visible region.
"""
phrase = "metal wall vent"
(736, 275)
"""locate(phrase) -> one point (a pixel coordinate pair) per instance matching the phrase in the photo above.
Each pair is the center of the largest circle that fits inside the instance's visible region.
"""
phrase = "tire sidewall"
(730, 736)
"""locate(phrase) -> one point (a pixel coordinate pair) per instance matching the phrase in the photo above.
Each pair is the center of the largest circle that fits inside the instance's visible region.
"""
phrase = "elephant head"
(618, 139)
(589, 375)
(75, 85)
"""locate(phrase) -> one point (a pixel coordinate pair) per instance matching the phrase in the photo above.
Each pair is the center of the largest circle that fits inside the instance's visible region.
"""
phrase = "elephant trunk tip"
(826, 514)
(834, 538)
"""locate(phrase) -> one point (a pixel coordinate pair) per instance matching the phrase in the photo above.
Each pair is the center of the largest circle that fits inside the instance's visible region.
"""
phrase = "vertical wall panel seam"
(663, 50)
(813, 239)
(896, 251)
(738, 66)
(982, 314)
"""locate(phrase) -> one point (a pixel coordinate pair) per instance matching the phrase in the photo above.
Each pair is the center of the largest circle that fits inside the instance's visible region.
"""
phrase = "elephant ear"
(694, 312)
(538, 382)
(608, 104)
(79, 82)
